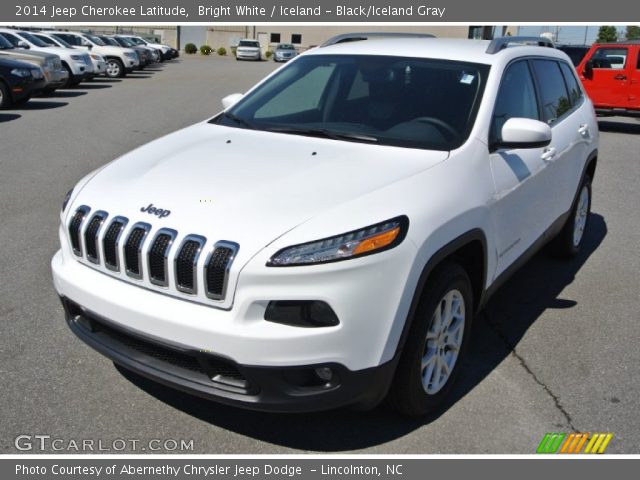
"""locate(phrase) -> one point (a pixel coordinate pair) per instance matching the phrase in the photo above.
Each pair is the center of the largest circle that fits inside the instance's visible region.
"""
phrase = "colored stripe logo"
(574, 443)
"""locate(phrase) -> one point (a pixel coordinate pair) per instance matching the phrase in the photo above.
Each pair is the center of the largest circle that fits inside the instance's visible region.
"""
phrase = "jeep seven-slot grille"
(110, 243)
(74, 229)
(125, 248)
(216, 270)
(158, 254)
(132, 250)
(91, 236)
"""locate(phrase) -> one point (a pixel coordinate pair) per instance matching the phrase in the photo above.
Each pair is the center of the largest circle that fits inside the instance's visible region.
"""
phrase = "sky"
(572, 35)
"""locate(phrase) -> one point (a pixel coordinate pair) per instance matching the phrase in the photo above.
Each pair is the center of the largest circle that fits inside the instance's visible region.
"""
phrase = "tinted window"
(274, 38)
(296, 38)
(553, 91)
(11, 38)
(575, 94)
(516, 98)
(67, 37)
(32, 38)
(607, 57)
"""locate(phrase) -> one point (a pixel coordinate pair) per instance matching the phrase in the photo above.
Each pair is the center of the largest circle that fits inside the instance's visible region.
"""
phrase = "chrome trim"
(201, 241)
(102, 215)
(124, 221)
(234, 248)
(85, 209)
(172, 233)
(146, 227)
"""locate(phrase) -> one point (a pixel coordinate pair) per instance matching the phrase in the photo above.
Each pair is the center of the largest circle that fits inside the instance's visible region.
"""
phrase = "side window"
(610, 57)
(638, 55)
(553, 91)
(516, 98)
(575, 94)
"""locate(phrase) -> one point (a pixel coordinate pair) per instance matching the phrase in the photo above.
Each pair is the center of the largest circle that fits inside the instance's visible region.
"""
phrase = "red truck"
(610, 72)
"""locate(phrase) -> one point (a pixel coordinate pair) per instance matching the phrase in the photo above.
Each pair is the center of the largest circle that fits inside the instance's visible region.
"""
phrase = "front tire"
(115, 68)
(5, 98)
(568, 242)
(436, 343)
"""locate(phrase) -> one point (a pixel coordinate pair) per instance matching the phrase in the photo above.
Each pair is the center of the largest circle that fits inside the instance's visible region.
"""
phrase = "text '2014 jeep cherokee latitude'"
(327, 238)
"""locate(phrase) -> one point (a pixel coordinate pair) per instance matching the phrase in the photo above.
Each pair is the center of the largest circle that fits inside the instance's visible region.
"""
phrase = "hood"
(110, 50)
(27, 55)
(245, 186)
(9, 62)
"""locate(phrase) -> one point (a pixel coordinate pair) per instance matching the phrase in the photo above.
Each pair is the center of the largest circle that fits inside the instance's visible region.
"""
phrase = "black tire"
(69, 83)
(407, 394)
(115, 68)
(22, 101)
(5, 97)
(566, 244)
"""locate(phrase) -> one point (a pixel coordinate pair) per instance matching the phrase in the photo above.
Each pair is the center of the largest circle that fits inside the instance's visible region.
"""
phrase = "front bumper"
(25, 88)
(57, 78)
(290, 389)
(247, 55)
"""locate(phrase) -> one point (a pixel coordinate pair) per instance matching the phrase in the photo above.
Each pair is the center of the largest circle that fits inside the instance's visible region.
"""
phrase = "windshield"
(5, 44)
(406, 102)
(68, 37)
(137, 41)
(110, 41)
(32, 38)
(248, 43)
(12, 39)
(57, 42)
(285, 46)
(95, 40)
(124, 42)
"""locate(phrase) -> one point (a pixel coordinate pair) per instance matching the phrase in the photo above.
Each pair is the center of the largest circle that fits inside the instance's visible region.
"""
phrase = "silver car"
(284, 52)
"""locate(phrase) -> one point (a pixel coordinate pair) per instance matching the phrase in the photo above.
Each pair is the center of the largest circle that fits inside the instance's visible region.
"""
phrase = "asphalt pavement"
(556, 350)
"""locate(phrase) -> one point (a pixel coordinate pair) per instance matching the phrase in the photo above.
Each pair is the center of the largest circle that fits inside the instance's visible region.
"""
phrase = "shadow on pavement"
(497, 330)
(65, 94)
(37, 104)
(618, 127)
(7, 117)
(92, 86)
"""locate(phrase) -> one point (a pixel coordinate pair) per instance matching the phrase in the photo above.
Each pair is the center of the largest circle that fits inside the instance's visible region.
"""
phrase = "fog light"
(301, 313)
(324, 373)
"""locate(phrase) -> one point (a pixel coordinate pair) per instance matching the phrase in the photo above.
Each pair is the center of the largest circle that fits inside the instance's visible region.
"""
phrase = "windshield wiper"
(237, 119)
(323, 133)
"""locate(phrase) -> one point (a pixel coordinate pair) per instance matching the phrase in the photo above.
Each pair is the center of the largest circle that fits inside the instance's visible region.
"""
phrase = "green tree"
(632, 32)
(607, 33)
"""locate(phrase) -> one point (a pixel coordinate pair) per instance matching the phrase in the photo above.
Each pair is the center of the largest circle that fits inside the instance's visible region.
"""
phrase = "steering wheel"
(440, 124)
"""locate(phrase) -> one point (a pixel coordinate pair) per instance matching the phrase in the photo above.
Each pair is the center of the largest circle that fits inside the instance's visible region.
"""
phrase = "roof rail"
(498, 44)
(357, 37)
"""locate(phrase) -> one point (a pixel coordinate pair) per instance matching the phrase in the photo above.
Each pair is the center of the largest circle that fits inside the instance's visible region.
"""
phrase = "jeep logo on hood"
(159, 212)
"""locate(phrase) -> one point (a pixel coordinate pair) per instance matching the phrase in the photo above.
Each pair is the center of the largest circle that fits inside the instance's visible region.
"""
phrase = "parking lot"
(556, 350)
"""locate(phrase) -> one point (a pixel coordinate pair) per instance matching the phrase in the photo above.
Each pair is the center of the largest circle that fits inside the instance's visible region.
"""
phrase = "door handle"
(620, 77)
(584, 129)
(548, 154)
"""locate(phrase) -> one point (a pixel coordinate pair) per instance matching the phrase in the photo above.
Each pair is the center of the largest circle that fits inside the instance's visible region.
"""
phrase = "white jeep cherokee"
(327, 239)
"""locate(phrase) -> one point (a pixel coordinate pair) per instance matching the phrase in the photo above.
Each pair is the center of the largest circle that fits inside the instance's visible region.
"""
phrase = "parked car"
(575, 52)
(143, 56)
(19, 81)
(284, 52)
(120, 61)
(610, 72)
(77, 64)
(55, 76)
(364, 202)
(147, 55)
(166, 52)
(248, 49)
(97, 61)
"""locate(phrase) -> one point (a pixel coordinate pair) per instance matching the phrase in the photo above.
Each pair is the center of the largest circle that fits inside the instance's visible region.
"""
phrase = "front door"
(608, 86)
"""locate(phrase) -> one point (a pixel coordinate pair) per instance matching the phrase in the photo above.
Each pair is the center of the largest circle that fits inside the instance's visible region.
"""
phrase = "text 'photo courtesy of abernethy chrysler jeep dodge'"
(328, 238)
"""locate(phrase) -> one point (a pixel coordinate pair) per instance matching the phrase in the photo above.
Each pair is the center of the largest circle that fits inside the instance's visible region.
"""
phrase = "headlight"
(376, 238)
(130, 54)
(77, 58)
(67, 197)
(21, 72)
(37, 73)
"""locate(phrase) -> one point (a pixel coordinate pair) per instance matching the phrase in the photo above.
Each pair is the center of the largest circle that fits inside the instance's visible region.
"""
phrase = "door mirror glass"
(22, 44)
(231, 100)
(525, 133)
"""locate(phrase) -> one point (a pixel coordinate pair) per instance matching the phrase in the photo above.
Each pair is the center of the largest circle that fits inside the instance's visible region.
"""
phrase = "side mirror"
(588, 69)
(24, 45)
(525, 133)
(231, 100)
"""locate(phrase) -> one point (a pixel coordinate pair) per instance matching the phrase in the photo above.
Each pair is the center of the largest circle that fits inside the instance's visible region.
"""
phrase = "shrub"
(190, 48)
(222, 51)
(233, 51)
(269, 54)
(205, 50)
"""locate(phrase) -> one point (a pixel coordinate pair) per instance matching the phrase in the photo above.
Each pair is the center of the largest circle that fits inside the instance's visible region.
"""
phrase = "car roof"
(474, 51)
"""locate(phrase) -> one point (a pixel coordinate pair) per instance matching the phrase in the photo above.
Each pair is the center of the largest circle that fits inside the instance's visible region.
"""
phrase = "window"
(274, 38)
(296, 38)
(607, 57)
(516, 98)
(575, 94)
(553, 91)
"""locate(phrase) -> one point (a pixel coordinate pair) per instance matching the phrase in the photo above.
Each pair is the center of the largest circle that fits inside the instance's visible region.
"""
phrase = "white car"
(165, 51)
(98, 62)
(328, 238)
(248, 49)
(120, 61)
